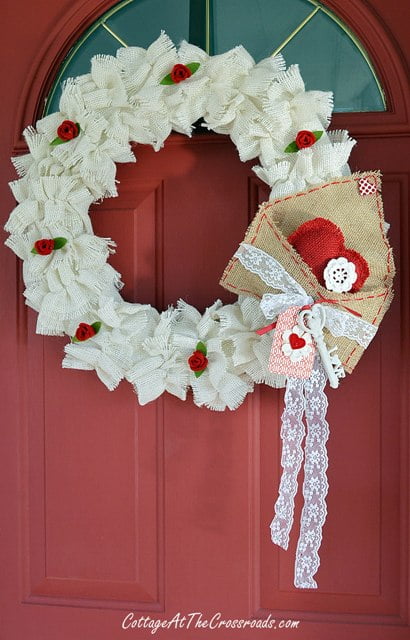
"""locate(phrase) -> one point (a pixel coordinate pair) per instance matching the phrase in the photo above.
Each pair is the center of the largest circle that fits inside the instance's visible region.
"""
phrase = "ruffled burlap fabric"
(361, 220)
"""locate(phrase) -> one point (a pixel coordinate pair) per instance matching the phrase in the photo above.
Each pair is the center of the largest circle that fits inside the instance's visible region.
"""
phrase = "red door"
(112, 513)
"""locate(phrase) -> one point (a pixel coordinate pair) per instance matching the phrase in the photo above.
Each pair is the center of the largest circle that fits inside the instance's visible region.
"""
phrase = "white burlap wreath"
(130, 98)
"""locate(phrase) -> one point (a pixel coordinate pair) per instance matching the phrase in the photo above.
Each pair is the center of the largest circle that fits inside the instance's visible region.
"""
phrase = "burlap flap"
(361, 219)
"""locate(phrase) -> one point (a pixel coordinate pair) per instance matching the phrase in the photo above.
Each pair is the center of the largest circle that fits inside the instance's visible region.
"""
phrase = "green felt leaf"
(34, 250)
(74, 339)
(167, 80)
(202, 348)
(193, 66)
(59, 242)
(292, 147)
(198, 374)
(317, 134)
(96, 326)
(57, 141)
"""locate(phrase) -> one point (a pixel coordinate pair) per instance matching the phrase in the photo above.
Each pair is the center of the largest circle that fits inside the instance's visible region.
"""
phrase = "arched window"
(330, 56)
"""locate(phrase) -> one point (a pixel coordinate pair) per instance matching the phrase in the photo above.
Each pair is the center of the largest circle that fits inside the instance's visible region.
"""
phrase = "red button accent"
(296, 342)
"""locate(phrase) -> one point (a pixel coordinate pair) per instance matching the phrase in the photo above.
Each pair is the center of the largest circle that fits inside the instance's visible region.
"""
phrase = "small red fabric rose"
(84, 332)
(45, 246)
(198, 361)
(180, 72)
(305, 139)
(68, 130)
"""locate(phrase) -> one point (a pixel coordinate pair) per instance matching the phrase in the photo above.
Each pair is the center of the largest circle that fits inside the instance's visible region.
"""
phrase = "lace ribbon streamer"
(315, 484)
(292, 434)
(304, 399)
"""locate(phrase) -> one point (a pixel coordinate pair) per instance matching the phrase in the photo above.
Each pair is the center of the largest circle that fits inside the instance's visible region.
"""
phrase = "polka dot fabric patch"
(367, 186)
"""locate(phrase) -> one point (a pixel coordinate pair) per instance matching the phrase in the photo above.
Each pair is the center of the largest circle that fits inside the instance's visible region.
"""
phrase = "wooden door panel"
(135, 221)
(207, 491)
(92, 482)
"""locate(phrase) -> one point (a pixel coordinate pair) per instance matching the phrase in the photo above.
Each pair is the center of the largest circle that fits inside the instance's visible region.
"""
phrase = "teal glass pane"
(330, 60)
(138, 23)
(259, 25)
(141, 22)
(328, 57)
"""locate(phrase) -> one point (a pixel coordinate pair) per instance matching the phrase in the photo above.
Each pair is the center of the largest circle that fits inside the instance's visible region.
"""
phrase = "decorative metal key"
(312, 321)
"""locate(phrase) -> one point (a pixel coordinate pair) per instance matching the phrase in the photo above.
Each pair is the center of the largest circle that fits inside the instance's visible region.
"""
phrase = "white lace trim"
(315, 485)
(273, 304)
(342, 323)
(268, 269)
(303, 398)
(292, 434)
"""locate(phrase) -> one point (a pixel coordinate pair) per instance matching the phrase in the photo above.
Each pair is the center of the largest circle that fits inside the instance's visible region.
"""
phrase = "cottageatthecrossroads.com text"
(197, 620)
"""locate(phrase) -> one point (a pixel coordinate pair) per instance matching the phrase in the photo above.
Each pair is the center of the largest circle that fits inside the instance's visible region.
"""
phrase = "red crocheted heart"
(318, 241)
(296, 342)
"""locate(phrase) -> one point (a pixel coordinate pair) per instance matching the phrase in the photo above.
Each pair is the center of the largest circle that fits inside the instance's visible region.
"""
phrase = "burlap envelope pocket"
(355, 205)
